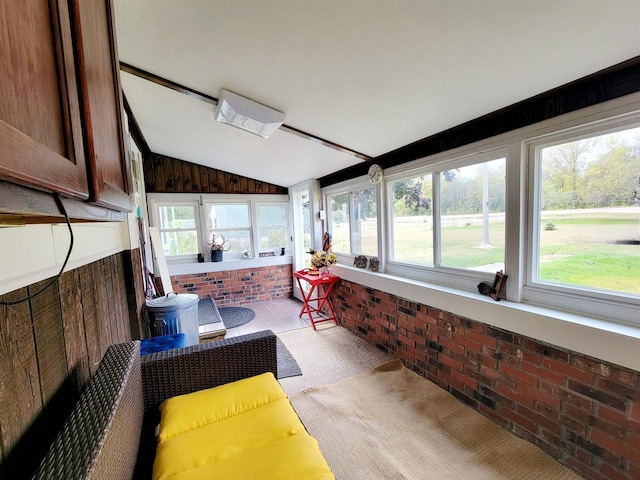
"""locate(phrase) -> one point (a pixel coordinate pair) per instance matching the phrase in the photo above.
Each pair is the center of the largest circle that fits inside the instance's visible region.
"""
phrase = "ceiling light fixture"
(246, 114)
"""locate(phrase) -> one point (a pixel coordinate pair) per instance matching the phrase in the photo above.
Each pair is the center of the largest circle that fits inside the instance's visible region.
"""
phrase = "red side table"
(321, 285)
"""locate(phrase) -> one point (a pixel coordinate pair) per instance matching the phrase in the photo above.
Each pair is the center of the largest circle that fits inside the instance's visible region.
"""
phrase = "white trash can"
(175, 313)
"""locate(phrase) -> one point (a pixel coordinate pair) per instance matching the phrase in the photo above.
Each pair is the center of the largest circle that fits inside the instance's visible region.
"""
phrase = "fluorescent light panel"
(246, 114)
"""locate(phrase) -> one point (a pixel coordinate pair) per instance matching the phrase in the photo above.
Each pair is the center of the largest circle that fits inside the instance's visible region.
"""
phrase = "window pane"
(178, 229)
(472, 206)
(412, 220)
(227, 216)
(273, 226)
(589, 212)
(177, 217)
(339, 205)
(364, 222)
(179, 243)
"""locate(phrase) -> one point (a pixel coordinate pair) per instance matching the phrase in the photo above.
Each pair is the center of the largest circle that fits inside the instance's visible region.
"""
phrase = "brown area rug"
(391, 423)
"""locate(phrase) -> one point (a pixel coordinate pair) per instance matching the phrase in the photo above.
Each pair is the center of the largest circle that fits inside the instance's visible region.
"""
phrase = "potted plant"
(217, 245)
(321, 260)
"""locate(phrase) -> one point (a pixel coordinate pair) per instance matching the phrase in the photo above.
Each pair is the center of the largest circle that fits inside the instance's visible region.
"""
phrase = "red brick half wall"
(237, 287)
(581, 410)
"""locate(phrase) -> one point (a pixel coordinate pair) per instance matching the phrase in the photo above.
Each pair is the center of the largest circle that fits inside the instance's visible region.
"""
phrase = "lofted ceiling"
(367, 75)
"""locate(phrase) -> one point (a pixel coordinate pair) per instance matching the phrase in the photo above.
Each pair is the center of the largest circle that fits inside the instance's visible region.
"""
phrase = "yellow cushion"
(187, 412)
(246, 429)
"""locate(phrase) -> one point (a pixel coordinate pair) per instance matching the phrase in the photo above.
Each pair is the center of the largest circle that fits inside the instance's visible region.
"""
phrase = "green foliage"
(599, 172)
(412, 196)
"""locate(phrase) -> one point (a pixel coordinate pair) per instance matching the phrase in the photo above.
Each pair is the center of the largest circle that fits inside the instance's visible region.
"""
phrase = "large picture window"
(586, 217)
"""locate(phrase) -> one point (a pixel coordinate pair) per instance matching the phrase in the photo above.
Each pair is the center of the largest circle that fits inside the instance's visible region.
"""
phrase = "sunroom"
(473, 168)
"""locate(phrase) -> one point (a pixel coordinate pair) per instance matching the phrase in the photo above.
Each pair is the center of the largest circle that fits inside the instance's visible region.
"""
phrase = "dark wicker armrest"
(185, 370)
(100, 438)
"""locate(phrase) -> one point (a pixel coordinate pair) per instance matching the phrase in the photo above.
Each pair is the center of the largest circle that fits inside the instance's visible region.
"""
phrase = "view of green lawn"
(592, 251)
(583, 249)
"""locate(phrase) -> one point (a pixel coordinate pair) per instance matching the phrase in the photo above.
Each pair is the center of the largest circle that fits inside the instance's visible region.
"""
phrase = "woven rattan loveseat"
(109, 434)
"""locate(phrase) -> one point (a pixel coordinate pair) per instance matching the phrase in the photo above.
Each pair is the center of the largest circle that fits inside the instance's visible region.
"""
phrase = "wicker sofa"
(109, 434)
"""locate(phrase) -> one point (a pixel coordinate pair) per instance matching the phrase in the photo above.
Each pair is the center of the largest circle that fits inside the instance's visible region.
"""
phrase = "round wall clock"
(375, 173)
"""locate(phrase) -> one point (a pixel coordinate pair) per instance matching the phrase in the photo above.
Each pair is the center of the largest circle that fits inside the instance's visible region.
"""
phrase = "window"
(248, 223)
(353, 222)
(178, 229)
(586, 219)
(340, 230)
(451, 217)
(412, 220)
(231, 222)
(472, 207)
(555, 206)
(273, 226)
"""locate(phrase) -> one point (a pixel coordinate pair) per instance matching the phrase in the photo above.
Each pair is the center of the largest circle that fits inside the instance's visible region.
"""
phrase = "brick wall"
(582, 411)
(236, 287)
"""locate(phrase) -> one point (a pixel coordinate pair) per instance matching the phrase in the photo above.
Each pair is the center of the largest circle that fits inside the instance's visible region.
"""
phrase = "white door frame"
(300, 256)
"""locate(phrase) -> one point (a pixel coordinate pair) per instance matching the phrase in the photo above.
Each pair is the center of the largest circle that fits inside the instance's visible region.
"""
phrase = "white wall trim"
(33, 253)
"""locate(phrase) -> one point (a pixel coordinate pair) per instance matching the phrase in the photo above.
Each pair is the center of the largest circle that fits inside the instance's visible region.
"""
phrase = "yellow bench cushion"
(245, 429)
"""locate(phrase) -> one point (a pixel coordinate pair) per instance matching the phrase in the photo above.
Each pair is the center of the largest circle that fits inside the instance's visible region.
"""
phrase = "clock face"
(375, 173)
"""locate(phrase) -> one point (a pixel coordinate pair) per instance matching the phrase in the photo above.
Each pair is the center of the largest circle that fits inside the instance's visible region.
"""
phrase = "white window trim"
(287, 209)
(349, 187)
(436, 273)
(207, 200)
(181, 264)
(625, 321)
(154, 205)
(609, 305)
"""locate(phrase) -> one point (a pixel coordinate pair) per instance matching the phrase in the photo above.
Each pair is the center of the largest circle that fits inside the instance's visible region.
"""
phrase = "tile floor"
(276, 315)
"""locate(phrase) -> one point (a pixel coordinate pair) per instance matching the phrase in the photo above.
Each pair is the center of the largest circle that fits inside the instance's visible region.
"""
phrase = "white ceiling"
(370, 75)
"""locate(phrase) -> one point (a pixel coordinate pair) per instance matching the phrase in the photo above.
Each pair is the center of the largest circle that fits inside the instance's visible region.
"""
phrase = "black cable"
(54, 279)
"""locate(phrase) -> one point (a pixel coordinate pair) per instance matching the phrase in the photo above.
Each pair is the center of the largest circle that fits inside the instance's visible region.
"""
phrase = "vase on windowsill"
(216, 255)
(217, 245)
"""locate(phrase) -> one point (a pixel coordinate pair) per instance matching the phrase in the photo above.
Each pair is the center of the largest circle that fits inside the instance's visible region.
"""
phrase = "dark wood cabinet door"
(99, 79)
(41, 141)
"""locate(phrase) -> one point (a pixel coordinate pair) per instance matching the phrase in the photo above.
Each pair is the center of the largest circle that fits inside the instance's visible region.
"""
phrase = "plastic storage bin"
(174, 313)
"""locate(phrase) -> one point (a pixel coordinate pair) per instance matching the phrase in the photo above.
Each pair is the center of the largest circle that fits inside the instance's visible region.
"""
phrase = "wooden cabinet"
(61, 102)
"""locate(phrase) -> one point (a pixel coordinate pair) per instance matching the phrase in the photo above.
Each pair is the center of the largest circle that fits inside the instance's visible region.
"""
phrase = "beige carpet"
(390, 423)
(327, 355)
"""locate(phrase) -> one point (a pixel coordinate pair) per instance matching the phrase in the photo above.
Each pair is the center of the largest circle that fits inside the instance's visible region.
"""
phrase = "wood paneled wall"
(49, 348)
(170, 175)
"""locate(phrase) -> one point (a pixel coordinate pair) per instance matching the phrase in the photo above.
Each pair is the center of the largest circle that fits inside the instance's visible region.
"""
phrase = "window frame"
(155, 205)
(206, 238)
(349, 187)
(609, 311)
(200, 201)
(450, 276)
(572, 298)
(289, 226)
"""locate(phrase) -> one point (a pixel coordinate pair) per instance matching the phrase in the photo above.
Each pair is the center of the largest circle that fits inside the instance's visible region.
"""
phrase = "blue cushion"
(164, 342)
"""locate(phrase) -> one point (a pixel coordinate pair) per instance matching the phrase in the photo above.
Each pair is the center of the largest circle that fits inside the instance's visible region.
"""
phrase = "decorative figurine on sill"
(326, 242)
